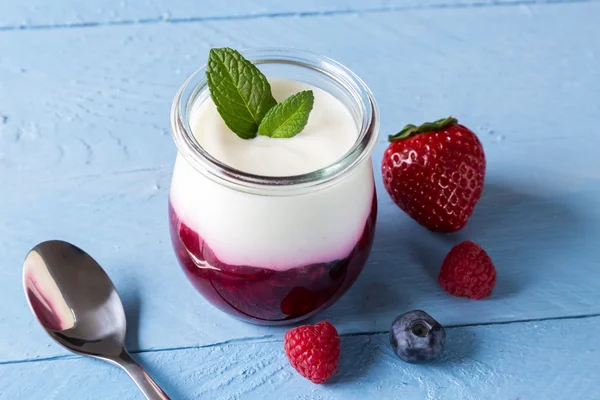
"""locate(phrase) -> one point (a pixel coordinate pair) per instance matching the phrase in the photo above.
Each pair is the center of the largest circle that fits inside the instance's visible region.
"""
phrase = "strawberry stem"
(410, 129)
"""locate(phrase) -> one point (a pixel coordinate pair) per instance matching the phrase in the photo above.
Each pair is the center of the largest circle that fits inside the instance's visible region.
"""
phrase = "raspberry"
(468, 271)
(313, 350)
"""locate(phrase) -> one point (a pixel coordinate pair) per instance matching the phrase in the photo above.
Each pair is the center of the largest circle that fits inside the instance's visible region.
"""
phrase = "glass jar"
(274, 250)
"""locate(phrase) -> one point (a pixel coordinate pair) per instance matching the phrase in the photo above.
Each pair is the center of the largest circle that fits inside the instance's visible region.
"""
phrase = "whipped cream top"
(330, 133)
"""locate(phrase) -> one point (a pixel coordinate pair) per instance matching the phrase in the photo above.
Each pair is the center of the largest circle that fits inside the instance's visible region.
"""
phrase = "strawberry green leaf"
(411, 130)
(240, 91)
(289, 117)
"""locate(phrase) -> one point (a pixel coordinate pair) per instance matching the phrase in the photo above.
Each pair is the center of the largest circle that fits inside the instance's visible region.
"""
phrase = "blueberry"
(416, 337)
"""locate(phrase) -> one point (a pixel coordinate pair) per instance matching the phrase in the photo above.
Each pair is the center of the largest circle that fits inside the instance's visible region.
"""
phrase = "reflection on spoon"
(78, 306)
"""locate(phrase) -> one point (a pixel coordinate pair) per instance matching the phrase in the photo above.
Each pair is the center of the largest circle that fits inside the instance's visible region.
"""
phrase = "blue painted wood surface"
(86, 156)
(481, 362)
(41, 14)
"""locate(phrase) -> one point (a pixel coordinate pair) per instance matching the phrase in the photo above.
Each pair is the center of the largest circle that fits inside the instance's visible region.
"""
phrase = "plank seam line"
(273, 339)
(492, 323)
(287, 14)
(235, 341)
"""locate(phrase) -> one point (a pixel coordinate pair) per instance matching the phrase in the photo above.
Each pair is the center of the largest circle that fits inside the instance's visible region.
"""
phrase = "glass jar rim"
(214, 169)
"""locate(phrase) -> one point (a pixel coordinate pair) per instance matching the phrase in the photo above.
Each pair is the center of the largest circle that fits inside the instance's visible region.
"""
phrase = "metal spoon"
(79, 307)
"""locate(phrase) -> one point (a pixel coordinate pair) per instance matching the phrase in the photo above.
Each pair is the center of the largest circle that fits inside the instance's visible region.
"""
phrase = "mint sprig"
(240, 91)
(244, 100)
(289, 117)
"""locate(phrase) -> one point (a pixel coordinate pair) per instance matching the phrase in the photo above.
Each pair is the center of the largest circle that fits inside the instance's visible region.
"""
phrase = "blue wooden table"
(86, 156)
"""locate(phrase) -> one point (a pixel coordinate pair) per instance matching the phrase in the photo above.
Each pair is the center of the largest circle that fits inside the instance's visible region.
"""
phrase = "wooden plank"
(85, 155)
(41, 14)
(537, 360)
(121, 219)
(101, 103)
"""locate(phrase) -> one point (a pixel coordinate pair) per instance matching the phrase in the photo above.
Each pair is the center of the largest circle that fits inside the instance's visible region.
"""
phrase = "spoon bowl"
(79, 307)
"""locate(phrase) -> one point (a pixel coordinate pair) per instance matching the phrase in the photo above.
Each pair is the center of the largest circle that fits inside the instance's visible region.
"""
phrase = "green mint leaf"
(240, 91)
(289, 117)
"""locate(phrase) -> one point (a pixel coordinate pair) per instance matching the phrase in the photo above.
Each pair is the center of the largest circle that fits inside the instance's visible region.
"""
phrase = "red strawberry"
(435, 172)
(468, 271)
(313, 350)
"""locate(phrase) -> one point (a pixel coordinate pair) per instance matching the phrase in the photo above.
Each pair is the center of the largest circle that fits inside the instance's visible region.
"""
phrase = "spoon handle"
(143, 381)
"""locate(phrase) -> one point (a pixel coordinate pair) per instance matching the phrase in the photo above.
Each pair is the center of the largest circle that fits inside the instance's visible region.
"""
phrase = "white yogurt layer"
(329, 134)
(277, 232)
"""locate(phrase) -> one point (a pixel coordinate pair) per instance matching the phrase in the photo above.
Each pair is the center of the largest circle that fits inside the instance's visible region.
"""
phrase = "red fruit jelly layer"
(263, 295)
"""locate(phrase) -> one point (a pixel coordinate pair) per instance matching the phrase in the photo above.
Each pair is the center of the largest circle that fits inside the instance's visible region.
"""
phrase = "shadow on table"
(360, 353)
(514, 226)
(461, 346)
(133, 306)
(157, 372)
(357, 355)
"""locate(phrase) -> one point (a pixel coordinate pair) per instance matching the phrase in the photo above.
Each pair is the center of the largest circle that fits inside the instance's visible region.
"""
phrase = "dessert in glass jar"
(274, 229)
